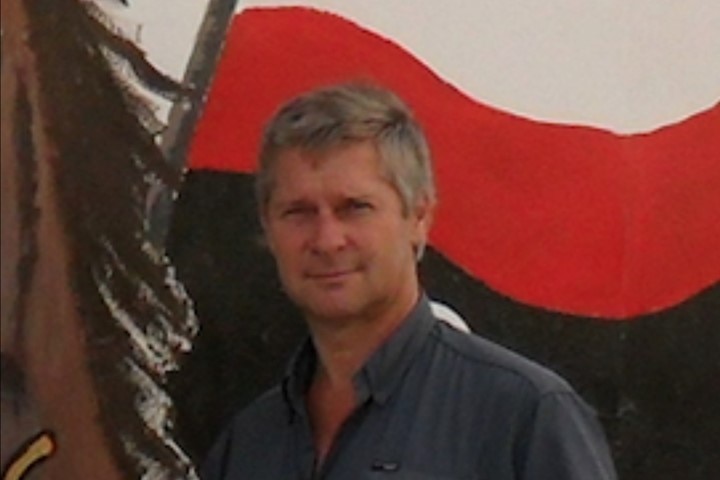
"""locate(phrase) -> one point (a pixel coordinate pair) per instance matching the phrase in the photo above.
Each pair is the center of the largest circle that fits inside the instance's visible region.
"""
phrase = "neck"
(343, 347)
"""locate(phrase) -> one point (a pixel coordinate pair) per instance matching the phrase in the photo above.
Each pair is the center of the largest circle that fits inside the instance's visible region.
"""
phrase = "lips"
(331, 275)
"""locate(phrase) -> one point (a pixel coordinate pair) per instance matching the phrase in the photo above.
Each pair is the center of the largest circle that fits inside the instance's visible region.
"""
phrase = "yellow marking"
(36, 451)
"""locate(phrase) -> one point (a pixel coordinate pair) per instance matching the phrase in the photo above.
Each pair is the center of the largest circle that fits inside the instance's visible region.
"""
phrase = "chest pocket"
(399, 458)
(404, 450)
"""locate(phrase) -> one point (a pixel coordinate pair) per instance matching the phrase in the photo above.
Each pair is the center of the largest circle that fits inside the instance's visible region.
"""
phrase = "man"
(382, 388)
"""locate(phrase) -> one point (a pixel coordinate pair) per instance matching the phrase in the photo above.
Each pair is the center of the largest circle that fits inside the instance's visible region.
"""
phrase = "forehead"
(350, 167)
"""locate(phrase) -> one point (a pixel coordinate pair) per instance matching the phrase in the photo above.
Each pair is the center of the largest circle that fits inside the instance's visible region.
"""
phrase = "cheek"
(282, 240)
(286, 254)
(392, 247)
(288, 271)
(282, 250)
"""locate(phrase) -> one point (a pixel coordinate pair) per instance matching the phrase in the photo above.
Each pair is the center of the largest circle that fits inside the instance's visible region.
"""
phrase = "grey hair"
(348, 113)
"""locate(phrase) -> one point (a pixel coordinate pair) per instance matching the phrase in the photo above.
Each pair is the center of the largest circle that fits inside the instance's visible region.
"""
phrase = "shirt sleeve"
(565, 441)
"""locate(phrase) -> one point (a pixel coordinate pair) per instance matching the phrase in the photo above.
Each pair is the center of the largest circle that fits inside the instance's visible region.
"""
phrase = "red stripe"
(573, 219)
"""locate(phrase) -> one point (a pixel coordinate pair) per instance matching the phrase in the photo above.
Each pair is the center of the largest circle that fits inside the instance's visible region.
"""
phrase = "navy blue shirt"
(433, 403)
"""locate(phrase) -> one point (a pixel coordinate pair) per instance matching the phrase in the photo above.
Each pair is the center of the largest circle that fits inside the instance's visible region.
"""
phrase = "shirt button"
(379, 466)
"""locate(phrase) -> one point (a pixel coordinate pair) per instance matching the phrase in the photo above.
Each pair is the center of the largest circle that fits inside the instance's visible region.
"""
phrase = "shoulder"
(495, 364)
(247, 434)
(266, 414)
(267, 409)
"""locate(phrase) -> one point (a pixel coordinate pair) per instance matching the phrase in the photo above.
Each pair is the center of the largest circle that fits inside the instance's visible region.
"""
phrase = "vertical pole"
(185, 112)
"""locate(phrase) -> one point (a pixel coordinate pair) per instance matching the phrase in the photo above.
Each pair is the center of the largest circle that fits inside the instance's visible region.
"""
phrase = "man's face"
(342, 245)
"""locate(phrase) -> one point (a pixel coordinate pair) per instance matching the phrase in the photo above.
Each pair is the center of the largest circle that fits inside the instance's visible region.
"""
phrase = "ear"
(424, 211)
(422, 216)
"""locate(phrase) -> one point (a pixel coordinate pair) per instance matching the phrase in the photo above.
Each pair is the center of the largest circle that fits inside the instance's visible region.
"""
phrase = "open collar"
(380, 374)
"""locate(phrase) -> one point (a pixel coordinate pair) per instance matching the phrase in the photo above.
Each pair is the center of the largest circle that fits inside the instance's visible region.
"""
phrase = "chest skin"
(329, 408)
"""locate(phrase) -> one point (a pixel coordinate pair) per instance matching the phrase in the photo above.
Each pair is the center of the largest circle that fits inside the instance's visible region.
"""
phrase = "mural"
(93, 319)
(134, 325)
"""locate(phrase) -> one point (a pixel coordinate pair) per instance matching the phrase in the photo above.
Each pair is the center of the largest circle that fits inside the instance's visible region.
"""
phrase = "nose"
(330, 234)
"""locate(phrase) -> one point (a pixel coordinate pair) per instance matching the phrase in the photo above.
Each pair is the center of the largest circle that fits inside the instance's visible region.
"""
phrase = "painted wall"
(577, 159)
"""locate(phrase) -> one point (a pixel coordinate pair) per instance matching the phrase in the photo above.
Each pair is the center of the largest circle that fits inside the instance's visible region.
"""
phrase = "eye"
(356, 206)
(297, 211)
(359, 205)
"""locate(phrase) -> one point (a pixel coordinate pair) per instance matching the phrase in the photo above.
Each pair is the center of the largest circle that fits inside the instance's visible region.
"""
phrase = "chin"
(331, 308)
(330, 312)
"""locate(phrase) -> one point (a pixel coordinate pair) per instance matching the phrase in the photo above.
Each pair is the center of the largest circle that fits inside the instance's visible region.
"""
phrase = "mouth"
(330, 275)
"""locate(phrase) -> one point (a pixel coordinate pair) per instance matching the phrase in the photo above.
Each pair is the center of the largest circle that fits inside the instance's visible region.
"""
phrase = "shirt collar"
(382, 372)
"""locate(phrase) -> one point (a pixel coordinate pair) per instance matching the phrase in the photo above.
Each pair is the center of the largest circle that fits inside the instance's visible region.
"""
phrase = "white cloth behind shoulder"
(448, 315)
